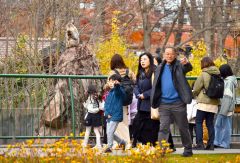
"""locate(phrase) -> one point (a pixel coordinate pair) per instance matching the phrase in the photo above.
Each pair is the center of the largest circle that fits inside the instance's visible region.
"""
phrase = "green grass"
(202, 158)
(197, 158)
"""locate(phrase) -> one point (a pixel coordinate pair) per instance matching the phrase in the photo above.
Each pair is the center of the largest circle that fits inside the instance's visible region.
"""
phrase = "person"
(157, 61)
(223, 124)
(104, 119)
(132, 111)
(207, 107)
(93, 116)
(170, 93)
(191, 115)
(114, 110)
(117, 64)
(145, 129)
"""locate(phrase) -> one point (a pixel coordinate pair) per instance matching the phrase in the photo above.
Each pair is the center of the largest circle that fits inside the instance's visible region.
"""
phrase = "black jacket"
(143, 86)
(179, 81)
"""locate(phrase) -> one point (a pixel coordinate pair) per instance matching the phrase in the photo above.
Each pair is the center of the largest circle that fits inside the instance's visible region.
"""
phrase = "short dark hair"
(225, 70)
(117, 62)
(115, 77)
(206, 62)
(92, 89)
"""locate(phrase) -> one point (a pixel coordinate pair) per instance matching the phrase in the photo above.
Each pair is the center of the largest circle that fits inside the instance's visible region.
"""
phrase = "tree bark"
(98, 23)
(178, 34)
(208, 21)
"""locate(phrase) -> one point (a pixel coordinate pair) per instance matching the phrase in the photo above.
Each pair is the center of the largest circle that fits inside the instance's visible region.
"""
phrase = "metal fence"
(25, 97)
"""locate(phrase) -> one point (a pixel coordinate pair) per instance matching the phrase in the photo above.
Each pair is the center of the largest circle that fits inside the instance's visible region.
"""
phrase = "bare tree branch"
(204, 29)
(169, 32)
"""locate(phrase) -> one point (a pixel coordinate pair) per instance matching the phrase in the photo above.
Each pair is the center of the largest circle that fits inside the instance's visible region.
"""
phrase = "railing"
(24, 97)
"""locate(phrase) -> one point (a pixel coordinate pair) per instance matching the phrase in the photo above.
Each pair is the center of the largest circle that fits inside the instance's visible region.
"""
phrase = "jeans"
(111, 128)
(209, 117)
(223, 129)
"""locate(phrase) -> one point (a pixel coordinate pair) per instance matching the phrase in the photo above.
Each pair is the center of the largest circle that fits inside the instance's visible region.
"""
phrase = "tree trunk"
(195, 18)
(145, 7)
(98, 21)
(178, 35)
(147, 32)
(208, 21)
(224, 30)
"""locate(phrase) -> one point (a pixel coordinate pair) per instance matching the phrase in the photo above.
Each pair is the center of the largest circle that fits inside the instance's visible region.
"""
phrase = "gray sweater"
(229, 97)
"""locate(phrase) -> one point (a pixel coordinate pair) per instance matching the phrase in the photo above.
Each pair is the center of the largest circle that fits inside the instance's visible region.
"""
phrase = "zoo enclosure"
(23, 98)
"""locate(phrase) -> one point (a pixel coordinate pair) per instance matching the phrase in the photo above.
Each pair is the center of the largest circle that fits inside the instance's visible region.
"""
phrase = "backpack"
(91, 106)
(128, 86)
(216, 87)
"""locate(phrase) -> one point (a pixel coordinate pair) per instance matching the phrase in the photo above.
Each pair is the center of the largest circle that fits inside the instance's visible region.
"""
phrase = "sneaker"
(199, 147)
(98, 147)
(187, 154)
(217, 146)
(173, 149)
(107, 150)
(122, 145)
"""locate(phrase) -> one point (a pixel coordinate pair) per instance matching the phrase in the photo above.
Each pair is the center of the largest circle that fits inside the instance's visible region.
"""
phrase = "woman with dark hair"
(207, 107)
(145, 129)
(223, 125)
(157, 60)
(117, 65)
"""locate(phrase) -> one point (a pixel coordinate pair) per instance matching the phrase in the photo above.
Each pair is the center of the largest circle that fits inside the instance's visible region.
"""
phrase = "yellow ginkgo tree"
(116, 44)
(198, 52)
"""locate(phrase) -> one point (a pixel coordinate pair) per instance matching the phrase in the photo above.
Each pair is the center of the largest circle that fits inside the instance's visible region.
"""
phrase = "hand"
(141, 96)
(184, 61)
(109, 116)
(116, 82)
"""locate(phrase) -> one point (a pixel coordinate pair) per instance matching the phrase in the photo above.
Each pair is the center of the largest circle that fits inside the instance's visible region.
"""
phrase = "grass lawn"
(172, 158)
(202, 158)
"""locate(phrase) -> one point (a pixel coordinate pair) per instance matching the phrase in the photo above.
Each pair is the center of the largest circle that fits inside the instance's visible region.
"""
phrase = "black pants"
(145, 129)
(192, 127)
(130, 131)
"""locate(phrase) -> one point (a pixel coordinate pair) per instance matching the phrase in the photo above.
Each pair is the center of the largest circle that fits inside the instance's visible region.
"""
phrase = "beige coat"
(202, 83)
(122, 72)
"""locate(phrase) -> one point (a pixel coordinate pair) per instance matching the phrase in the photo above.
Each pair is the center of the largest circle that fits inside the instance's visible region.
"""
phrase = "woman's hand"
(141, 96)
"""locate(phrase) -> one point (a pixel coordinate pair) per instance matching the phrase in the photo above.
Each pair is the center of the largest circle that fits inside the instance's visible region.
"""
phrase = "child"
(93, 116)
(191, 115)
(104, 119)
(132, 111)
(114, 110)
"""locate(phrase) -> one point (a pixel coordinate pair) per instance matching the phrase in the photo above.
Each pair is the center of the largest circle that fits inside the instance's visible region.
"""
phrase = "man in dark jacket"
(170, 93)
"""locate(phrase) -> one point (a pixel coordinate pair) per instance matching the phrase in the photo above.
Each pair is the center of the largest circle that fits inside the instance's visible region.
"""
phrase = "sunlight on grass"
(68, 150)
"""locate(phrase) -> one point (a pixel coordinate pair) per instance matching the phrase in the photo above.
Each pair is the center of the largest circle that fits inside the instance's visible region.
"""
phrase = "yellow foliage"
(198, 52)
(116, 44)
(220, 61)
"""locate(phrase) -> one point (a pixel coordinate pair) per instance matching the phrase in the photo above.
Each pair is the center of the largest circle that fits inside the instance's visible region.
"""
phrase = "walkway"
(215, 151)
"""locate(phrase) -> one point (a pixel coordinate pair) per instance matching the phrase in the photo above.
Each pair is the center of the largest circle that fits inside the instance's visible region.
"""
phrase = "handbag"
(155, 113)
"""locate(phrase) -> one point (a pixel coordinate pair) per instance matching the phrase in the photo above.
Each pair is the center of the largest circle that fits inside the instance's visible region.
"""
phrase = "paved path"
(215, 151)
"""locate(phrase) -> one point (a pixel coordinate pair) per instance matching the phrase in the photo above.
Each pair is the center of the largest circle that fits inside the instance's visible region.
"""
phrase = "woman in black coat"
(145, 129)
